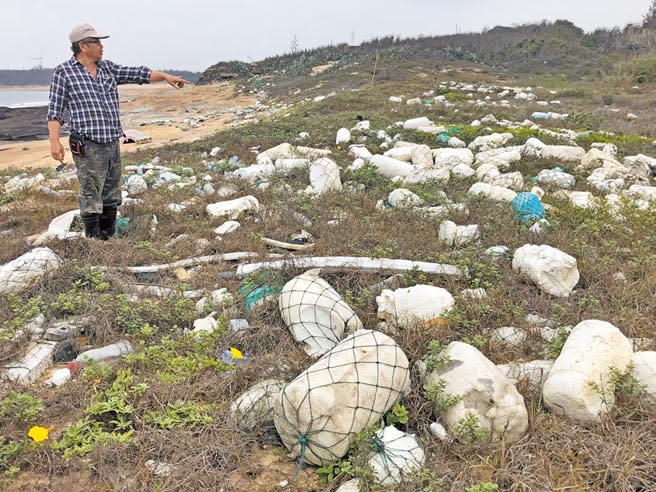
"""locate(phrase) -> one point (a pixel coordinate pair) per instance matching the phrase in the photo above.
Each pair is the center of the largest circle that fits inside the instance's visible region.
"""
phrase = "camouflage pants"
(99, 173)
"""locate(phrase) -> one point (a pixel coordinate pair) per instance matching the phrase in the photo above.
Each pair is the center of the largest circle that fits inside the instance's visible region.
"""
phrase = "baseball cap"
(84, 31)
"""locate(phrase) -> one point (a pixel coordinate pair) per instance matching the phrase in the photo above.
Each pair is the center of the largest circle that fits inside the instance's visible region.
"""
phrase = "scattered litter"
(135, 136)
(19, 273)
(556, 177)
(36, 360)
(254, 407)
(352, 263)
(158, 468)
(397, 454)
(315, 313)
(205, 325)
(234, 356)
(60, 228)
(292, 246)
(551, 269)
(644, 370)
(258, 286)
(508, 335)
(343, 136)
(403, 198)
(484, 392)
(232, 209)
(188, 263)
(108, 352)
(496, 193)
(535, 372)
(408, 306)
(592, 351)
(360, 374)
(528, 207)
(391, 168)
(324, 177)
(216, 299)
(454, 235)
(23, 182)
(59, 377)
(352, 485)
(439, 431)
(319, 413)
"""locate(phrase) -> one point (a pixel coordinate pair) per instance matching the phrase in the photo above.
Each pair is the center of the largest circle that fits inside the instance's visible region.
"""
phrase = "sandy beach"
(141, 108)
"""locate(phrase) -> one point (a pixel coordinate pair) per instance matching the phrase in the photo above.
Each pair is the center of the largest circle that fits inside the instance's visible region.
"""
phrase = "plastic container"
(112, 351)
(538, 115)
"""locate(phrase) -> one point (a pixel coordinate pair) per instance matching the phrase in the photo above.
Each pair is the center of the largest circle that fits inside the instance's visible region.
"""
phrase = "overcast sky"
(194, 34)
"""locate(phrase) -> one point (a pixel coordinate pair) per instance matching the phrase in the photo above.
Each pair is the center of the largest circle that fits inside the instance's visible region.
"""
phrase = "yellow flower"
(236, 353)
(38, 433)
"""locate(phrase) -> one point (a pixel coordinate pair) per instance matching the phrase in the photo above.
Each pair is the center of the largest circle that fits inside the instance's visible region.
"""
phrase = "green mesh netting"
(260, 284)
(346, 391)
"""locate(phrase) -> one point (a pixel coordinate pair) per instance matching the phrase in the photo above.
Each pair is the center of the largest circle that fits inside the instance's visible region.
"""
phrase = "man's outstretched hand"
(172, 80)
(177, 82)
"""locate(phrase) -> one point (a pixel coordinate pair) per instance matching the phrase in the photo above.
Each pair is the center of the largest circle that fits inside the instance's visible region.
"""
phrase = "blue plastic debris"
(259, 294)
(260, 284)
(446, 135)
(121, 226)
(528, 207)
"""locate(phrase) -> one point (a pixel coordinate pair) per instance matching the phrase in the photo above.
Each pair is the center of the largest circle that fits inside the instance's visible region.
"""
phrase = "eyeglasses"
(92, 41)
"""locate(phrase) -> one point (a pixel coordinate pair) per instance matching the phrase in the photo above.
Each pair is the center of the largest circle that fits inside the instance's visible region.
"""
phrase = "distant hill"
(34, 76)
(42, 76)
(536, 49)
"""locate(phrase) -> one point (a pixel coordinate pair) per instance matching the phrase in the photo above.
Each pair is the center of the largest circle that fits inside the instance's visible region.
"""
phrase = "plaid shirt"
(92, 102)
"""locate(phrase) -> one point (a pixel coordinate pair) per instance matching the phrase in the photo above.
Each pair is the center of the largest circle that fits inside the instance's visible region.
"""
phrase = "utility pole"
(373, 76)
(40, 58)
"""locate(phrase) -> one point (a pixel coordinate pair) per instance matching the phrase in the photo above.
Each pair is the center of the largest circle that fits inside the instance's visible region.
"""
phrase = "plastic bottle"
(115, 350)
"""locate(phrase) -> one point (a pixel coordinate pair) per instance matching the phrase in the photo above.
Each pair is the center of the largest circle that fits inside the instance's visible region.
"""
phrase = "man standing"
(86, 85)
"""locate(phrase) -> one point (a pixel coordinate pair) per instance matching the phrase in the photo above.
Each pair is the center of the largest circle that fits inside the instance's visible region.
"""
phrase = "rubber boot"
(91, 225)
(107, 223)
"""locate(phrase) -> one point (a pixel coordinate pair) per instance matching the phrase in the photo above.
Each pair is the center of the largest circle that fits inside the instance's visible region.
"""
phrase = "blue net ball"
(528, 207)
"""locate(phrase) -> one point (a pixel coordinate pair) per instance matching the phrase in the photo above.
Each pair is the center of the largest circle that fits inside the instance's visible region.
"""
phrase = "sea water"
(13, 98)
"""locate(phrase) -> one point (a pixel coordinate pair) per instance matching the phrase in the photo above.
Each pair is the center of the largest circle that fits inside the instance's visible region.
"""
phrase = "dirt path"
(140, 107)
